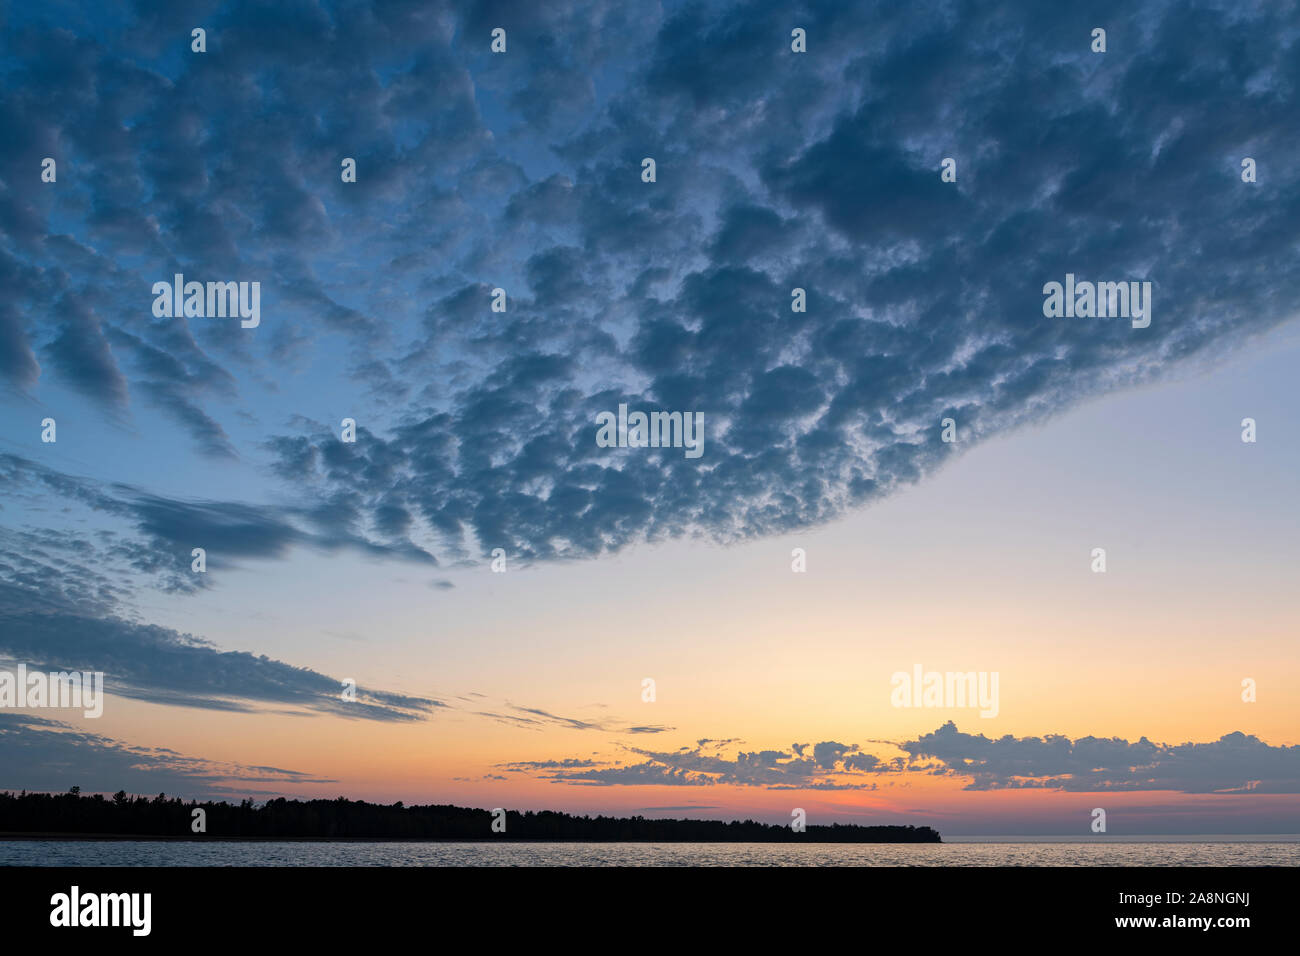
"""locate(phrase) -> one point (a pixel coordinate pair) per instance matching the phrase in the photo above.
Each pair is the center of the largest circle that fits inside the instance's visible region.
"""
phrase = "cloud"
(48, 755)
(776, 171)
(163, 666)
(169, 528)
(62, 606)
(1235, 763)
(925, 297)
(536, 718)
(18, 364)
(82, 353)
(705, 765)
(526, 765)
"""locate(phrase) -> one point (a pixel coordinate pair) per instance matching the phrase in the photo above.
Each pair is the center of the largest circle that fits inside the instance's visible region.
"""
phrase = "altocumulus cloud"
(775, 171)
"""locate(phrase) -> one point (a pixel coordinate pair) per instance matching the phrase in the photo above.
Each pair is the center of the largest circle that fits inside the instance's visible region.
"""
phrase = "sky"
(534, 620)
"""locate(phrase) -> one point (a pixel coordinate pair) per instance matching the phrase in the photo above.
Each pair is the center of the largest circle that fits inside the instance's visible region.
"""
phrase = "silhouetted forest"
(126, 816)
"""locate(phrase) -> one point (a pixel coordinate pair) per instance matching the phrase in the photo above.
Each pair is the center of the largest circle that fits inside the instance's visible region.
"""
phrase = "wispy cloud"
(536, 718)
(48, 755)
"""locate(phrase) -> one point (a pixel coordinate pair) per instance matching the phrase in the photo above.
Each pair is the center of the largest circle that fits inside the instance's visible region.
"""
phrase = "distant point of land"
(123, 817)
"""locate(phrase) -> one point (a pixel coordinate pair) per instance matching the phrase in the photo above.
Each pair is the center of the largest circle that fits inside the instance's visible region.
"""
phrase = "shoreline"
(171, 838)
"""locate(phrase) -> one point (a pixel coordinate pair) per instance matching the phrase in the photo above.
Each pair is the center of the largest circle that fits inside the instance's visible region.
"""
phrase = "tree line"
(71, 814)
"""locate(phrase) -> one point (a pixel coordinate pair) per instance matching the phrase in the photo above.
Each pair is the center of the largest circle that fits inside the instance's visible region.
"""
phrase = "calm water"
(1227, 851)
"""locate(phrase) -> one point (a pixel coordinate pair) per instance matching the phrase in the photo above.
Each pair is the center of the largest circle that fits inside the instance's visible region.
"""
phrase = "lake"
(984, 851)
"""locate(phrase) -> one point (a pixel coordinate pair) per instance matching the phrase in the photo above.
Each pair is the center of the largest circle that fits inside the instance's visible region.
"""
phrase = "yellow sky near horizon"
(983, 567)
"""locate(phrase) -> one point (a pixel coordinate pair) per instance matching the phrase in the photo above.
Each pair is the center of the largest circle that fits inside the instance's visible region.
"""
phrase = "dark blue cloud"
(1235, 763)
(163, 666)
(48, 755)
(522, 171)
(834, 767)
